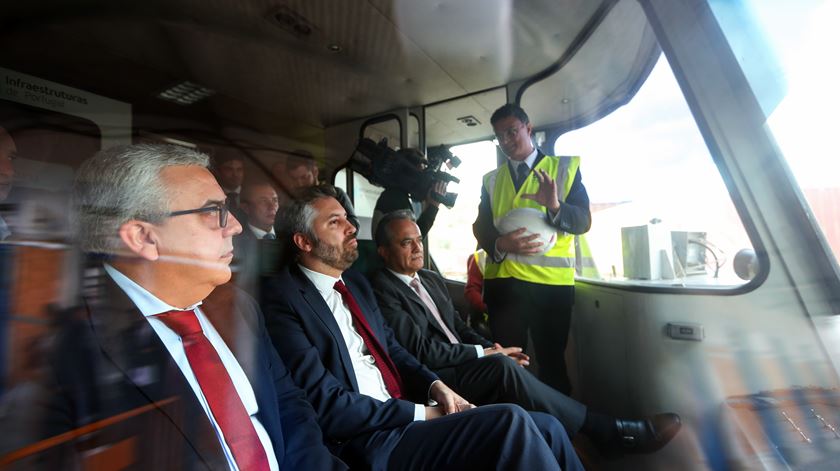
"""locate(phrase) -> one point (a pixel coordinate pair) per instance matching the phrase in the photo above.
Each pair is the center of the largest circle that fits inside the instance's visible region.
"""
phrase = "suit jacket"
(307, 336)
(418, 330)
(574, 216)
(132, 369)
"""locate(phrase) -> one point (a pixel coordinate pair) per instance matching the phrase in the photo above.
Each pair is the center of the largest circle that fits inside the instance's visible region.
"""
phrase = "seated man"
(259, 204)
(324, 321)
(158, 219)
(415, 302)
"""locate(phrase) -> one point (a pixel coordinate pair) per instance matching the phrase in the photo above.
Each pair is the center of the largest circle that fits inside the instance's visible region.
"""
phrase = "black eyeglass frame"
(220, 207)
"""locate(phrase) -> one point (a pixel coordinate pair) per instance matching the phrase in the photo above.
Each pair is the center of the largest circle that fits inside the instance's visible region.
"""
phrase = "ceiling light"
(185, 93)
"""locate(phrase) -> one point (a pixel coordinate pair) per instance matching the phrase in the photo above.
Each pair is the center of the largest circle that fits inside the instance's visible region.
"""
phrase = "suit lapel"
(129, 342)
(440, 300)
(322, 312)
(414, 297)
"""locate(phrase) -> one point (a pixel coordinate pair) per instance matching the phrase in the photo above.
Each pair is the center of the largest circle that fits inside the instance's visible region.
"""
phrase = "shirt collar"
(259, 232)
(528, 160)
(407, 279)
(146, 302)
(323, 283)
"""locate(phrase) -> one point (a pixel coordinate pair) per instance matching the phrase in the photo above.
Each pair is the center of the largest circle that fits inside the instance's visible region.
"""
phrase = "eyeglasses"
(220, 207)
(509, 133)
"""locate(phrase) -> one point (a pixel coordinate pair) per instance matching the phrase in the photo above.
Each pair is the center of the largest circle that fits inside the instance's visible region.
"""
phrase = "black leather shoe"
(649, 435)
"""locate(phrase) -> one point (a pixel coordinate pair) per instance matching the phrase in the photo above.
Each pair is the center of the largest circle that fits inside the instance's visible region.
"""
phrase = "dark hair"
(509, 110)
(383, 234)
(299, 214)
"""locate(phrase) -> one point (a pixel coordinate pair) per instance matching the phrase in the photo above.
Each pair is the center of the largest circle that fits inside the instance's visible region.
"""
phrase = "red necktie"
(390, 375)
(218, 389)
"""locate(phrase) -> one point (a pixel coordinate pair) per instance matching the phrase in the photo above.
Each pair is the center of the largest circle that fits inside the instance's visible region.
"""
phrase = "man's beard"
(338, 257)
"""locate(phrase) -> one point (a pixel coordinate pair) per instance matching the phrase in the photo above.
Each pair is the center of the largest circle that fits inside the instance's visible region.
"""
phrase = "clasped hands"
(514, 352)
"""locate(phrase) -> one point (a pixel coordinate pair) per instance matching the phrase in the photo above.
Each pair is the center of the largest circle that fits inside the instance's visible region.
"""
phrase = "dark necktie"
(390, 375)
(218, 389)
(430, 305)
(522, 171)
(231, 200)
(269, 236)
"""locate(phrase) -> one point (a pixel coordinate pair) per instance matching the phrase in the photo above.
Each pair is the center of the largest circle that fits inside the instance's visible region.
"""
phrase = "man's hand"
(439, 188)
(448, 401)
(513, 352)
(517, 243)
(546, 195)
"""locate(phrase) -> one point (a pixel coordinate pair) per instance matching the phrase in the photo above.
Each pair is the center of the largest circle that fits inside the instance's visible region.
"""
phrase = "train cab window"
(802, 120)
(661, 214)
(463, 126)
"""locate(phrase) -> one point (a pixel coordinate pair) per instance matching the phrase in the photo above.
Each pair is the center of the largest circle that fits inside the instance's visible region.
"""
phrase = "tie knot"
(340, 287)
(415, 283)
(268, 236)
(183, 323)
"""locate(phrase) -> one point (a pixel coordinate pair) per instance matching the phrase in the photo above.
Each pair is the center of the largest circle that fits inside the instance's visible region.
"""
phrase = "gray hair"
(384, 235)
(299, 215)
(123, 183)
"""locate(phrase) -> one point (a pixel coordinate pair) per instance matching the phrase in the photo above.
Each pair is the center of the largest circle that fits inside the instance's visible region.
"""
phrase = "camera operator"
(394, 199)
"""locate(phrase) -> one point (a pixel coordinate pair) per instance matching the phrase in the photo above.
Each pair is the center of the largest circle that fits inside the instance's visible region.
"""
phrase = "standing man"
(368, 391)
(230, 173)
(525, 291)
(416, 304)
(8, 154)
(159, 218)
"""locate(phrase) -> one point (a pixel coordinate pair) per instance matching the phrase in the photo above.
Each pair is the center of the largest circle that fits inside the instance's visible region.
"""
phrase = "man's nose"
(233, 226)
(350, 227)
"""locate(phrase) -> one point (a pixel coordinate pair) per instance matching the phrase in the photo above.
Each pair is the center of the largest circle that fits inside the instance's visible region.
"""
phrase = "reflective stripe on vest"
(480, 257)
(584, 262)
(555, 267)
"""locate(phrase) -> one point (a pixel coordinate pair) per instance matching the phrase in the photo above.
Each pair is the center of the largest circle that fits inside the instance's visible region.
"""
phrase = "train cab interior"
(709, 284)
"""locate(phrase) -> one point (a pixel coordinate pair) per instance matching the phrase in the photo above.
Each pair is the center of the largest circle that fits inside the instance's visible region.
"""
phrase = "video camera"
(405, 170)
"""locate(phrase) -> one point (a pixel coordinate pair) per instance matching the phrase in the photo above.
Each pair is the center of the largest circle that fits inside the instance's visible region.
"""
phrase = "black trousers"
(501, 436)
(497, 379)
(516, 307)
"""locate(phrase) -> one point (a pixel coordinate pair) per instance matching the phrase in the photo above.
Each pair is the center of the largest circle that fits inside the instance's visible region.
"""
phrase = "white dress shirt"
(149, 305)
(479, 350)
(261, 233)
(368, 375)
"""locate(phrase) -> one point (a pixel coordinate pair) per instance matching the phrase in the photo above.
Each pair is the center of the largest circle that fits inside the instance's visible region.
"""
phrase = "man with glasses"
(199, 367)
(526, 290)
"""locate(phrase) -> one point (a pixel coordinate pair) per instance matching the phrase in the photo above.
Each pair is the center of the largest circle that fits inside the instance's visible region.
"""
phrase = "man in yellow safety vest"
(525, 289)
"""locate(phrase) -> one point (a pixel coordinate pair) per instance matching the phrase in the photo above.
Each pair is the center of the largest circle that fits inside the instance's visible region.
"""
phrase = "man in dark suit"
(253, 248)
(198, 371)
(416, 304)
(367, 390)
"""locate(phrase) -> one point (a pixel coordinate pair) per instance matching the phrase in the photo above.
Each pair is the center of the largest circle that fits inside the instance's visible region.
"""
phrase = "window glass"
(364, 193)
(804, 37)
(661, 213)
(451, 239)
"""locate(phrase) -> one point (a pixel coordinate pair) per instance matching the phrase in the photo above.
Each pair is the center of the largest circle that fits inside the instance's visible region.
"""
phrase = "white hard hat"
(534, 221)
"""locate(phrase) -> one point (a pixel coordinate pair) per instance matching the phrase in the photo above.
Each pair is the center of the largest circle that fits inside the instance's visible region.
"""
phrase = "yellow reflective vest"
(555, 267)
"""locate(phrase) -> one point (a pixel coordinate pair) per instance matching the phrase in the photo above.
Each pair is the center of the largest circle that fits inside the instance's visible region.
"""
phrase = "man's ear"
(383, 253)
(140, 238)
(302, 242)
